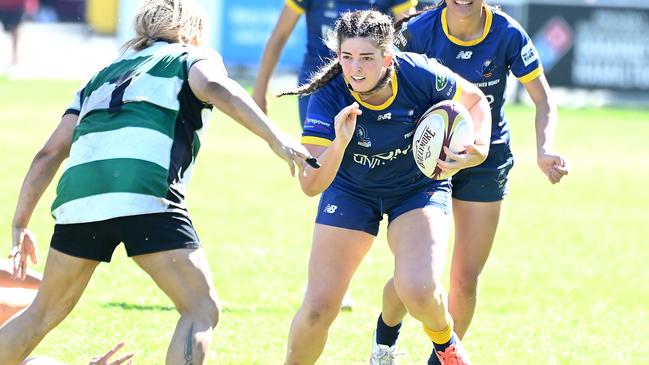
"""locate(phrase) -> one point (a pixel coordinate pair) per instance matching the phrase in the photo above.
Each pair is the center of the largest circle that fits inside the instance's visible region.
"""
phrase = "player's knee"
(466, 281)
(419, 296)
(205, 309)
(321, 311)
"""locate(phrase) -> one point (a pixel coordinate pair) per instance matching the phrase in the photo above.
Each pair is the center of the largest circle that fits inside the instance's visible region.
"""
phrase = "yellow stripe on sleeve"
(318, 141)
(532, 75)
(294, 5)
(402, 8)
(458, 92)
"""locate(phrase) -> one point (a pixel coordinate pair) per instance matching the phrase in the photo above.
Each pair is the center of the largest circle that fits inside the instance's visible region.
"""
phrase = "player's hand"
(473, 155)
(293, 153)
(553, 166)
(105, 359)
(259, 96)
(24, 246)
(345, 122)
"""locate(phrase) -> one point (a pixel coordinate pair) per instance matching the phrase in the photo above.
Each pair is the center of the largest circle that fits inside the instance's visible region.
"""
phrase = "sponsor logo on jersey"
(441, 79)
(316, 124)
(385, 116)
(528, 54)
(464, 55)
(380, 159)
(330, 209)
(487, 70)
(363, 136)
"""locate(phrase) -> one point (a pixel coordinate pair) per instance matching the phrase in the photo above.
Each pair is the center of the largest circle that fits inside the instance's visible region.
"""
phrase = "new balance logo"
(385, 116)
(465, 55)
(330, 208)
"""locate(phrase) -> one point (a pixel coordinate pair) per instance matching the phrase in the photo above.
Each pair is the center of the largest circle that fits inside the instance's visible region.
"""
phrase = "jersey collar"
(395, 88)
(485, 31)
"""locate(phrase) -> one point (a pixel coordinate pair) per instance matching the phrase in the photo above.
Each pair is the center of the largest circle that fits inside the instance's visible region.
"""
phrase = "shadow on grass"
(138, 307)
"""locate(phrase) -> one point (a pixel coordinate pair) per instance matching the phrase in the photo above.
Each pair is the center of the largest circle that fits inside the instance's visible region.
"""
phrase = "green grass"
(566, 282)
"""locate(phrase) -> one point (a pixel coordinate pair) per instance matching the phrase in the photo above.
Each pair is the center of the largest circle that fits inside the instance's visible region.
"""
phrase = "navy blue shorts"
(364, 213)
(488, 181)
(10, 19)
(141, 234)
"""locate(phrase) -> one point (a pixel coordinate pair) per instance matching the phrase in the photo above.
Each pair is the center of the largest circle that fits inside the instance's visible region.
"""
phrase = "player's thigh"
(418, 231)
(64, 280)
(182, 274)
(475, 229)
(335, 255)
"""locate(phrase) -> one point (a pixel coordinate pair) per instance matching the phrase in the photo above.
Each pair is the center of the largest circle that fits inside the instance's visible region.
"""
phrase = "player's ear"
(387, 59)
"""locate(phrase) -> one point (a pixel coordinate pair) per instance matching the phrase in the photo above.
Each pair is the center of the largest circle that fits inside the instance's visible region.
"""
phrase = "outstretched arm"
(283, 29)
(43, 168)
(553, 165)
(210, 83)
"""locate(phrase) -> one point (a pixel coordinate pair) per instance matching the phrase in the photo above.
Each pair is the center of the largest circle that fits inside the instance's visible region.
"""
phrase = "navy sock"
(386, 335)
(442, 347)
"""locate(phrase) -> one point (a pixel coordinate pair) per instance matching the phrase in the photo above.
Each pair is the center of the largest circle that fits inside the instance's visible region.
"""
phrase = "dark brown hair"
(369, 24)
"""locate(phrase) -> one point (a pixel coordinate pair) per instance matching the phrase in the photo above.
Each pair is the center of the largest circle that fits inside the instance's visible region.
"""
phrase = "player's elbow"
(309, 187)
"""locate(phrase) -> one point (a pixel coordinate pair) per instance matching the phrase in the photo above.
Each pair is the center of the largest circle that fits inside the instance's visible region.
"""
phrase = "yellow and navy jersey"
(378, 159)
(486, 61)
(321, 17)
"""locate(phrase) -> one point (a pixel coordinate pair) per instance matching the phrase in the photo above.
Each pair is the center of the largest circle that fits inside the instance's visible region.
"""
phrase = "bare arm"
(43, 168)
(283, 29)
(316, 181)
(553, 165)
(209, 83)
(402, 13)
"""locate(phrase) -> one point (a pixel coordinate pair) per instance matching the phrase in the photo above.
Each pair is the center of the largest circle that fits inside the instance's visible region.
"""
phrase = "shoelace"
(386, 355)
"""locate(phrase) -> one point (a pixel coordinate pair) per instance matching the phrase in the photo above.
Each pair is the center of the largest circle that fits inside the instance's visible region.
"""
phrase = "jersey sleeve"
(523, 57)
(299, 6)
(200, 54)
(443, 81)
(75, 106)
(319, 123)
(400, 6)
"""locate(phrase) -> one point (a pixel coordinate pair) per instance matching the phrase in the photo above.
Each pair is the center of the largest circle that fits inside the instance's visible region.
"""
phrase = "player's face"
(464, 8)
(363, 63)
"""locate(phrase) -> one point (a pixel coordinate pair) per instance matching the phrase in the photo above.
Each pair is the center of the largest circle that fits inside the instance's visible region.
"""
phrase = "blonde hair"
(174, 21)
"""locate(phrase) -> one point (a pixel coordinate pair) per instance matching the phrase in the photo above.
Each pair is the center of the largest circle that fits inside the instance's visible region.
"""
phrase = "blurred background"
(594, 52)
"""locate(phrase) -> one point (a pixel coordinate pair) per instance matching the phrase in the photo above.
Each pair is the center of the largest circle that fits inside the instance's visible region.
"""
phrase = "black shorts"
(141, 234)
(10, 19)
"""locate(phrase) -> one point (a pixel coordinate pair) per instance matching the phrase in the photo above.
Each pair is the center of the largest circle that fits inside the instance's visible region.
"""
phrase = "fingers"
(111, 352)
(123, 359)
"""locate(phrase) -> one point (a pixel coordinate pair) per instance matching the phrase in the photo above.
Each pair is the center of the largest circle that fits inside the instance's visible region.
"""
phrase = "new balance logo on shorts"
(330, 208)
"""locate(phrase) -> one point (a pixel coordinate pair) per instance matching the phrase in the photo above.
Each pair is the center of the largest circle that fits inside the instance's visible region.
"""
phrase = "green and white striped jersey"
(137, 137)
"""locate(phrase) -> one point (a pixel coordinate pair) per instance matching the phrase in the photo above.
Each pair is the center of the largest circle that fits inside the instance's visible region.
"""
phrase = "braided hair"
(371, 24)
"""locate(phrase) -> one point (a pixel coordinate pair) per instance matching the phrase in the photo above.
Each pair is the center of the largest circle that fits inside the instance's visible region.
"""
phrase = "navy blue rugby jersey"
(321, 16)
(503, 47)
(378, 159)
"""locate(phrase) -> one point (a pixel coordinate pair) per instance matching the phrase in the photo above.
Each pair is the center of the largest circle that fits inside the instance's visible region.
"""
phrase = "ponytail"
(320, 78)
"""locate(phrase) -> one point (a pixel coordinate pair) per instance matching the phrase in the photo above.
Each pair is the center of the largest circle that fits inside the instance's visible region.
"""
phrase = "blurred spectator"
(12, 13)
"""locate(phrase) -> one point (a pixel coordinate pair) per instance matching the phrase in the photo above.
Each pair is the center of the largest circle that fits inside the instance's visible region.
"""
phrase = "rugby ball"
(447, 123)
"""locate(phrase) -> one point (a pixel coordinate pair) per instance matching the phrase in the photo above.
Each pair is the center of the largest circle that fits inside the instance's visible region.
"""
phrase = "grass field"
(567, 281)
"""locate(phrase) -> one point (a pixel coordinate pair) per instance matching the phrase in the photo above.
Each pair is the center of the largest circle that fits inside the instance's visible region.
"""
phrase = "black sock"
(386, 335)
